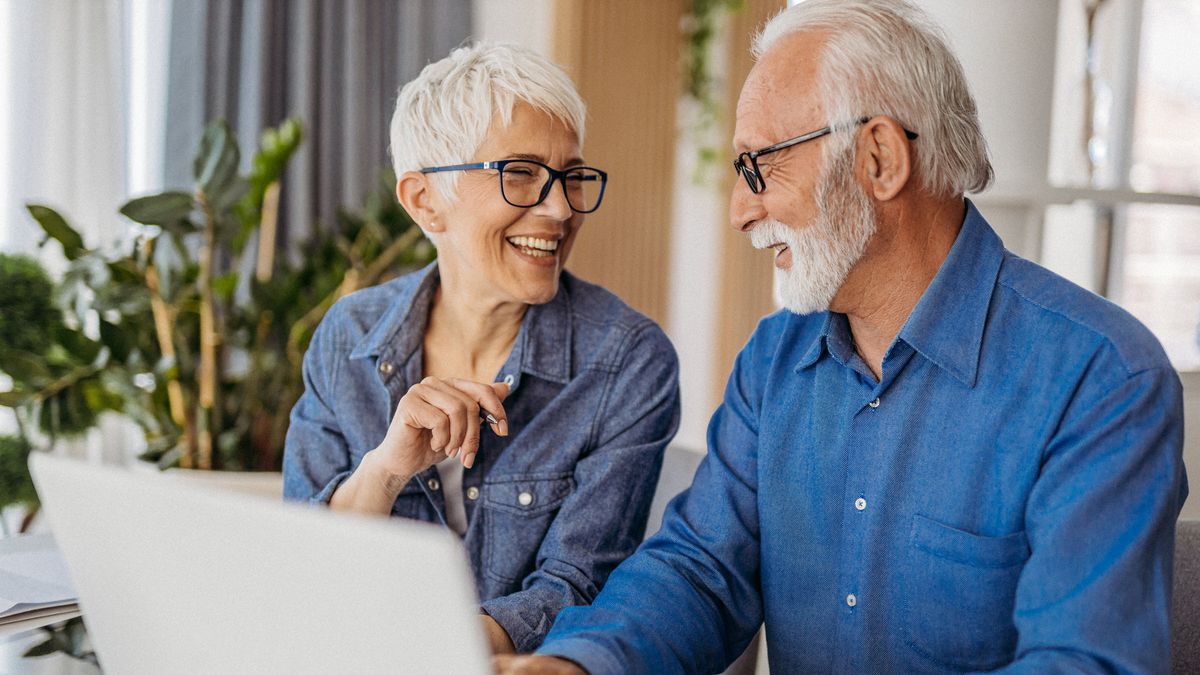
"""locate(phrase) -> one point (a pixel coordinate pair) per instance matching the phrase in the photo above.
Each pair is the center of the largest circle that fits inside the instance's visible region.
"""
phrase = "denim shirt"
(1004, 498)
(553, 507)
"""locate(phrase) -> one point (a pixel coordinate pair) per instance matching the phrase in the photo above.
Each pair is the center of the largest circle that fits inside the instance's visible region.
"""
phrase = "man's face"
(813, 213)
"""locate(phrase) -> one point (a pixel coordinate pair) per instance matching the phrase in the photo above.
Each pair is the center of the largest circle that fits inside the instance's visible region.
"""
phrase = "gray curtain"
(336, 64)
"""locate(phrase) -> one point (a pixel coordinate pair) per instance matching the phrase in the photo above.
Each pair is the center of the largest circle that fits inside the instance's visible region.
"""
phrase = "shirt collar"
(947, 324)
(543, 344)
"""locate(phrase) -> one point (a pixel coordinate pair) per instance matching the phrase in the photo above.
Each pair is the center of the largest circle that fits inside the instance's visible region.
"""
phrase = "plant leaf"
(216, 162)
(42, 649)
(116, 340)
(12, 399)
(225, 284)
(230, 194)
(56, 227)
(26, 368)
(167, 208)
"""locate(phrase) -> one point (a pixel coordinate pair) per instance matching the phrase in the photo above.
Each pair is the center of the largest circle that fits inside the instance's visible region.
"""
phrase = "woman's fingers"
(490, 398)
(451, 409)
(460, 409)
(419, 413)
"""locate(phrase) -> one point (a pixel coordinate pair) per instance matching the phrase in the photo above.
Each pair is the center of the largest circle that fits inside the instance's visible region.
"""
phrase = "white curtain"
(65, 94)
(64, 87)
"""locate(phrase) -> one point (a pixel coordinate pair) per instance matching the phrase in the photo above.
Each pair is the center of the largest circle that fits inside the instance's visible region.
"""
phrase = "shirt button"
(874, 404)
(525, 498)
(851, 600)
(433, 484)
(386, 367)
(472, 493)
(509, 379)
(860, 504)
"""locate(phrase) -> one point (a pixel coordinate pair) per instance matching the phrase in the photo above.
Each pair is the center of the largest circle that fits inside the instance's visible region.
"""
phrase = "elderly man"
(943, 457)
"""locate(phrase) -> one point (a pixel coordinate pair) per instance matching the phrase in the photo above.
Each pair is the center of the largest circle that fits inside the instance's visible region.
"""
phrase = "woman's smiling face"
(497, 250)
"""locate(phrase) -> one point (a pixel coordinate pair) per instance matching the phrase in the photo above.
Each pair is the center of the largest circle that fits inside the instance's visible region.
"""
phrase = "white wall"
(525, 22)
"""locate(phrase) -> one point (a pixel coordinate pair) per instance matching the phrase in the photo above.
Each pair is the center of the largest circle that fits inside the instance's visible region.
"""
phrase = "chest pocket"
(518, 512)
(967, 586)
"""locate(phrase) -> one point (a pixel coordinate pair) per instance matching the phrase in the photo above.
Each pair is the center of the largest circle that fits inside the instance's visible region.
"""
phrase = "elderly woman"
(578, 394)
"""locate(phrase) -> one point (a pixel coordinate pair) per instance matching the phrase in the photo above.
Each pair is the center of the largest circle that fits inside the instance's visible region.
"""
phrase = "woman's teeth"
(533, 246)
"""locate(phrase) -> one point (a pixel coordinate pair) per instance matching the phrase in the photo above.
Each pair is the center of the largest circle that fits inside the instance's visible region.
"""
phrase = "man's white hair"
(887, 57)
(443, 116)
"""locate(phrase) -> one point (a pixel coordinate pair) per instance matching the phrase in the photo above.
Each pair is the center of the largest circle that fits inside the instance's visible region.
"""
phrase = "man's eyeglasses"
(525, 183)
(746, 163)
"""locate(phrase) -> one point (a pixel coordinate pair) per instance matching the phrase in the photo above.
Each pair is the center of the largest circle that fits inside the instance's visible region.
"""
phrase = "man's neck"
(912, 241)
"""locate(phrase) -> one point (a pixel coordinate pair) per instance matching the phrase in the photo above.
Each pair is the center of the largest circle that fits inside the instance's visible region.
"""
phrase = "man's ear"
(416, 195)
(887, 157)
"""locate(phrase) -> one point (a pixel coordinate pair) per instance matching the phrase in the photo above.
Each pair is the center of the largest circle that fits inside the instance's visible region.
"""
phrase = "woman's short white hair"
(887, 57)
(443, 116)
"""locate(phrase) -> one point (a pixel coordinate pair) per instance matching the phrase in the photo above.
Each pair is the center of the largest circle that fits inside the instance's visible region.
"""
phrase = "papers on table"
(35, 587)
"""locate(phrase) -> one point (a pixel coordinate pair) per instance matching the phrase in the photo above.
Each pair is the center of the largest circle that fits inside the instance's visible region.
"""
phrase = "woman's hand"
(436, 419)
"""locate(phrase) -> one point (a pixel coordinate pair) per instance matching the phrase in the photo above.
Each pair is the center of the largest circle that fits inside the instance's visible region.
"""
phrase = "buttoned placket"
(863, 434)
(395, 376)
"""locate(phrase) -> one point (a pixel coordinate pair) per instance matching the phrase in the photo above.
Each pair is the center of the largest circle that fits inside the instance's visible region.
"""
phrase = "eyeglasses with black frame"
(746, 163)
(525, 183)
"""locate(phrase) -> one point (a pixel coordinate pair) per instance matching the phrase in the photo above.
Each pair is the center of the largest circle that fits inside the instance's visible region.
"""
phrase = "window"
(1159, 270)
(1127, 100)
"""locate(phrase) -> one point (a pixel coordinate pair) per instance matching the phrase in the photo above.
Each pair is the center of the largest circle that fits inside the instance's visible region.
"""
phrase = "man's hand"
(533, 664)
(497, 637)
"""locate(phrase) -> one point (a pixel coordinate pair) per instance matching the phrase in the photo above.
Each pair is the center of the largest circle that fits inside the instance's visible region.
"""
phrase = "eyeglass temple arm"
(910, 135)
(460, 167)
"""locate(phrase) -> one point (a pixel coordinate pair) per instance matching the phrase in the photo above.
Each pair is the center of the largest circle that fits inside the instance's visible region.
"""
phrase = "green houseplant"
(185, 325)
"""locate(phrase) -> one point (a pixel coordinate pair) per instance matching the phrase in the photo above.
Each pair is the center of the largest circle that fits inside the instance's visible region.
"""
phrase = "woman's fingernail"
(469, 460)
(503, 427)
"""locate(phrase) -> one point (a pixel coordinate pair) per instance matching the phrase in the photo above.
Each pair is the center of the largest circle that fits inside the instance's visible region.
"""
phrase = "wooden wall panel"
(624, 57)
(745, 274)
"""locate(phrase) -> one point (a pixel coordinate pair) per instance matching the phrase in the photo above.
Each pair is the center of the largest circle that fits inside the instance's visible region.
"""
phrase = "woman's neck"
(469, 335)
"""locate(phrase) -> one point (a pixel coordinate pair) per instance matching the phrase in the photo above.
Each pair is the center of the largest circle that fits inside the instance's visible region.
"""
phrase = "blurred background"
(107, 108)
(1090, 108)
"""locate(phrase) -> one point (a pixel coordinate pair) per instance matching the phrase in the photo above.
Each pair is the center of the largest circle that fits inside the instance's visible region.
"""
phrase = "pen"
(485, 416)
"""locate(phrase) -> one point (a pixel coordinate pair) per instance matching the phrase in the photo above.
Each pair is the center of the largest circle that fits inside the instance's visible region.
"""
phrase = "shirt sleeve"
(604, 519)
(1095, 594)
(316, 458)
(688, 600)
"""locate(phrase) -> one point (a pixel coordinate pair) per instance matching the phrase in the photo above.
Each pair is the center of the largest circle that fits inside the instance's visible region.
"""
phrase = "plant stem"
(209, 340)
(164, 319)
(352, 281)
(266, 233)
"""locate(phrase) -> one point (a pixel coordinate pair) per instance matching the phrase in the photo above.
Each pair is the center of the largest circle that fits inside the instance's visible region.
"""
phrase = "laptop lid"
(174, 577)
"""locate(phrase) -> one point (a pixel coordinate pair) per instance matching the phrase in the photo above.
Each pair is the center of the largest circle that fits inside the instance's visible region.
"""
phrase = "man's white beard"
(824, 252)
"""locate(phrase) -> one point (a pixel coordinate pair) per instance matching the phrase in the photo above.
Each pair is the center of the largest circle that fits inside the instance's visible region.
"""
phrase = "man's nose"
(745, 207)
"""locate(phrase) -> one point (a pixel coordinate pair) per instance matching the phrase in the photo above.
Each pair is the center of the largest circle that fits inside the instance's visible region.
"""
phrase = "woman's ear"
(416, 195)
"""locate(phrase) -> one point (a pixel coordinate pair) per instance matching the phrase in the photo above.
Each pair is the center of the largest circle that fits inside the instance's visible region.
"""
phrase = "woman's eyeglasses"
(525, 183)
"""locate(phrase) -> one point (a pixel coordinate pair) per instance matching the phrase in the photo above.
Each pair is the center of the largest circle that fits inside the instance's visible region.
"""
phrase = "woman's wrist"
(370, 489)
(388, 482)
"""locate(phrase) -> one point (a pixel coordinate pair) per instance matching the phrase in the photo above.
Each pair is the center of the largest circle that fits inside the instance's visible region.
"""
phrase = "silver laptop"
(174, 577)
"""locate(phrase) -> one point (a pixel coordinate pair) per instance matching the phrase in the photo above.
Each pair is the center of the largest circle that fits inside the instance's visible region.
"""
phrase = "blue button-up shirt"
(1005, 496)
(553, 507)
